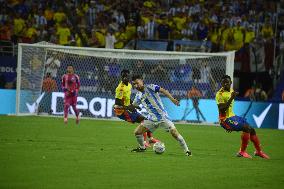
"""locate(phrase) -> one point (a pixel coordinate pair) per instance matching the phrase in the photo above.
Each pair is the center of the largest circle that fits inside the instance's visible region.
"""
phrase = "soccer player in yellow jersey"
(122, 102)
(230, 122)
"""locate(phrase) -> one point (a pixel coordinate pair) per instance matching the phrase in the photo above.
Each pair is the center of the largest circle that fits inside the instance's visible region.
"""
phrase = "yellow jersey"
(223, 96)
(19, 25)
(123, 92)
(249, 37)
(64, 34)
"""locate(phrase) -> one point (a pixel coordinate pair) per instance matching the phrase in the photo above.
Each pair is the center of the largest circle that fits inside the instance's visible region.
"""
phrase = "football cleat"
(243, 154)
(261, 154)
(138, 149)
(188, 153)
(77, 120)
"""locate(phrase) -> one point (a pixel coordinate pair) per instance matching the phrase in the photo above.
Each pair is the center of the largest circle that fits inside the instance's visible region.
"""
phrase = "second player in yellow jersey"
(230, 122)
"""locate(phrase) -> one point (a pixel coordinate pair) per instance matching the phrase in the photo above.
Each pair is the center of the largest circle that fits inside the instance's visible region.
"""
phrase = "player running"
(122, 101)
(70, 86)
(230, 122)
(148, 96)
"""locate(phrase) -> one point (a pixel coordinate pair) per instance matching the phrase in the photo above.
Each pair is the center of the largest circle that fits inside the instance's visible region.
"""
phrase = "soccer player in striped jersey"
(230, 122)
(122, 101)
(148, 96)
(70, 86)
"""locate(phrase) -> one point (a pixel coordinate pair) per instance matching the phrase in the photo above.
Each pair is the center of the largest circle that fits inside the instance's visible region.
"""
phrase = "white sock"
(140, 140)
(182, 143)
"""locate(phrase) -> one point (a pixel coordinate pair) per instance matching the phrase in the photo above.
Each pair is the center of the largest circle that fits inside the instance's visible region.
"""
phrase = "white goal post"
(99, 71)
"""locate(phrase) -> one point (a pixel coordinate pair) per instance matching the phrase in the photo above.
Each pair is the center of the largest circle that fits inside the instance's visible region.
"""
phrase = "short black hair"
(70, 65)
(136, 77)
(226, 77)
(124, 71)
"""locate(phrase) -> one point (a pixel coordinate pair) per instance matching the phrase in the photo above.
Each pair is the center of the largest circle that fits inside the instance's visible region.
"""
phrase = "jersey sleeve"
(219, 98)
(155, 88)
(119, 92)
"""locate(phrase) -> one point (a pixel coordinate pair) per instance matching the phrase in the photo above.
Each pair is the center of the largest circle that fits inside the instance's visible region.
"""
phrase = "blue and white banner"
(258, 114)
(8, 68)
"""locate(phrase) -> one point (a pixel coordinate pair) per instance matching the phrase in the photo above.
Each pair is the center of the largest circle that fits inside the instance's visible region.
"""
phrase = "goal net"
(41, 66)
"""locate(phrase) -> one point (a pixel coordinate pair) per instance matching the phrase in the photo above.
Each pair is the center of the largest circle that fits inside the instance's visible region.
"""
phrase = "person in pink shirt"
(70, 86)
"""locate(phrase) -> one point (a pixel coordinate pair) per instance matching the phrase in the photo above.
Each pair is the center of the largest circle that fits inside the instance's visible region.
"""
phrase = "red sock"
(149, 134)
(145, 136)
(245, 139)
(256, 142)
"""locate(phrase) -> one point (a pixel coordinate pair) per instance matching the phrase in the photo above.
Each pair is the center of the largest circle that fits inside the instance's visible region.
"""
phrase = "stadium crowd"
(238, 25)
(229, 25)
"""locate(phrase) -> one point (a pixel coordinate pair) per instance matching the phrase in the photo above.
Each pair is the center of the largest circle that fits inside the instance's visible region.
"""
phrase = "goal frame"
(229, 60)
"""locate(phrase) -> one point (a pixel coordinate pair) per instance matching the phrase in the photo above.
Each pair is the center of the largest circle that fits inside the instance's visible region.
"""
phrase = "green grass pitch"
(42, 152)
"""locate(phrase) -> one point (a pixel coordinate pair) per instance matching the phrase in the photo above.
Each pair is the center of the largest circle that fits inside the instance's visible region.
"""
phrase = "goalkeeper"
(70, 86)
(122, 101)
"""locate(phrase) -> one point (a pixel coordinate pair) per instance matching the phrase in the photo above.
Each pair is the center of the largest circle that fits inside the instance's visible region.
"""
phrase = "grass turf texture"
(41, 152)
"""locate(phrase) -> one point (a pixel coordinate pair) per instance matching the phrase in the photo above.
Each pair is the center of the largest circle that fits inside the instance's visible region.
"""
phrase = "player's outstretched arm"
(169, 95)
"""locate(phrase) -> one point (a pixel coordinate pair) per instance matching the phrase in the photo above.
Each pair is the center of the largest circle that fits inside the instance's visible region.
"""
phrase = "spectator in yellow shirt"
(249, 35)
(59, 16)
(100, 36)
(224, 32)
(230, 43)
(31, 32)
(19, 25)
(180, 20)
(130, 29)
(239, 34)
(63, 34)
(121, 38)
(214, 37)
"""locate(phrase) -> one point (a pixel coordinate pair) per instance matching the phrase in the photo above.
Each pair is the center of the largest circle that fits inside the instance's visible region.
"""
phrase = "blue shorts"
(234, 123)
(128, 116)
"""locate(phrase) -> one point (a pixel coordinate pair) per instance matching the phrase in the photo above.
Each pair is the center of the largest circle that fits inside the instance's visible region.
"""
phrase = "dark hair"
(136, 77)
(124, 71)
(226, 77)
(70, 65)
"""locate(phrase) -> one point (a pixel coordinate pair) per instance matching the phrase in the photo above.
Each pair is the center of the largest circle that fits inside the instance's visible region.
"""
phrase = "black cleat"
(188, 153)
(138, 149)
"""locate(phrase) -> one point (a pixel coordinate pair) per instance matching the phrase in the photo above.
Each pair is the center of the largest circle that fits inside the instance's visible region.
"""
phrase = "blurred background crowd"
(229, 25)
(253, 28)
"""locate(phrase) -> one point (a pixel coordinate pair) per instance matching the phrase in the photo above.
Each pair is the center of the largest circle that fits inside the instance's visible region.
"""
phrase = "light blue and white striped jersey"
(151, 101)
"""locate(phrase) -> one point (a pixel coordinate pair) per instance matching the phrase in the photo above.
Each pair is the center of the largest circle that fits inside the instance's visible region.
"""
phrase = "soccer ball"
(159, 147)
